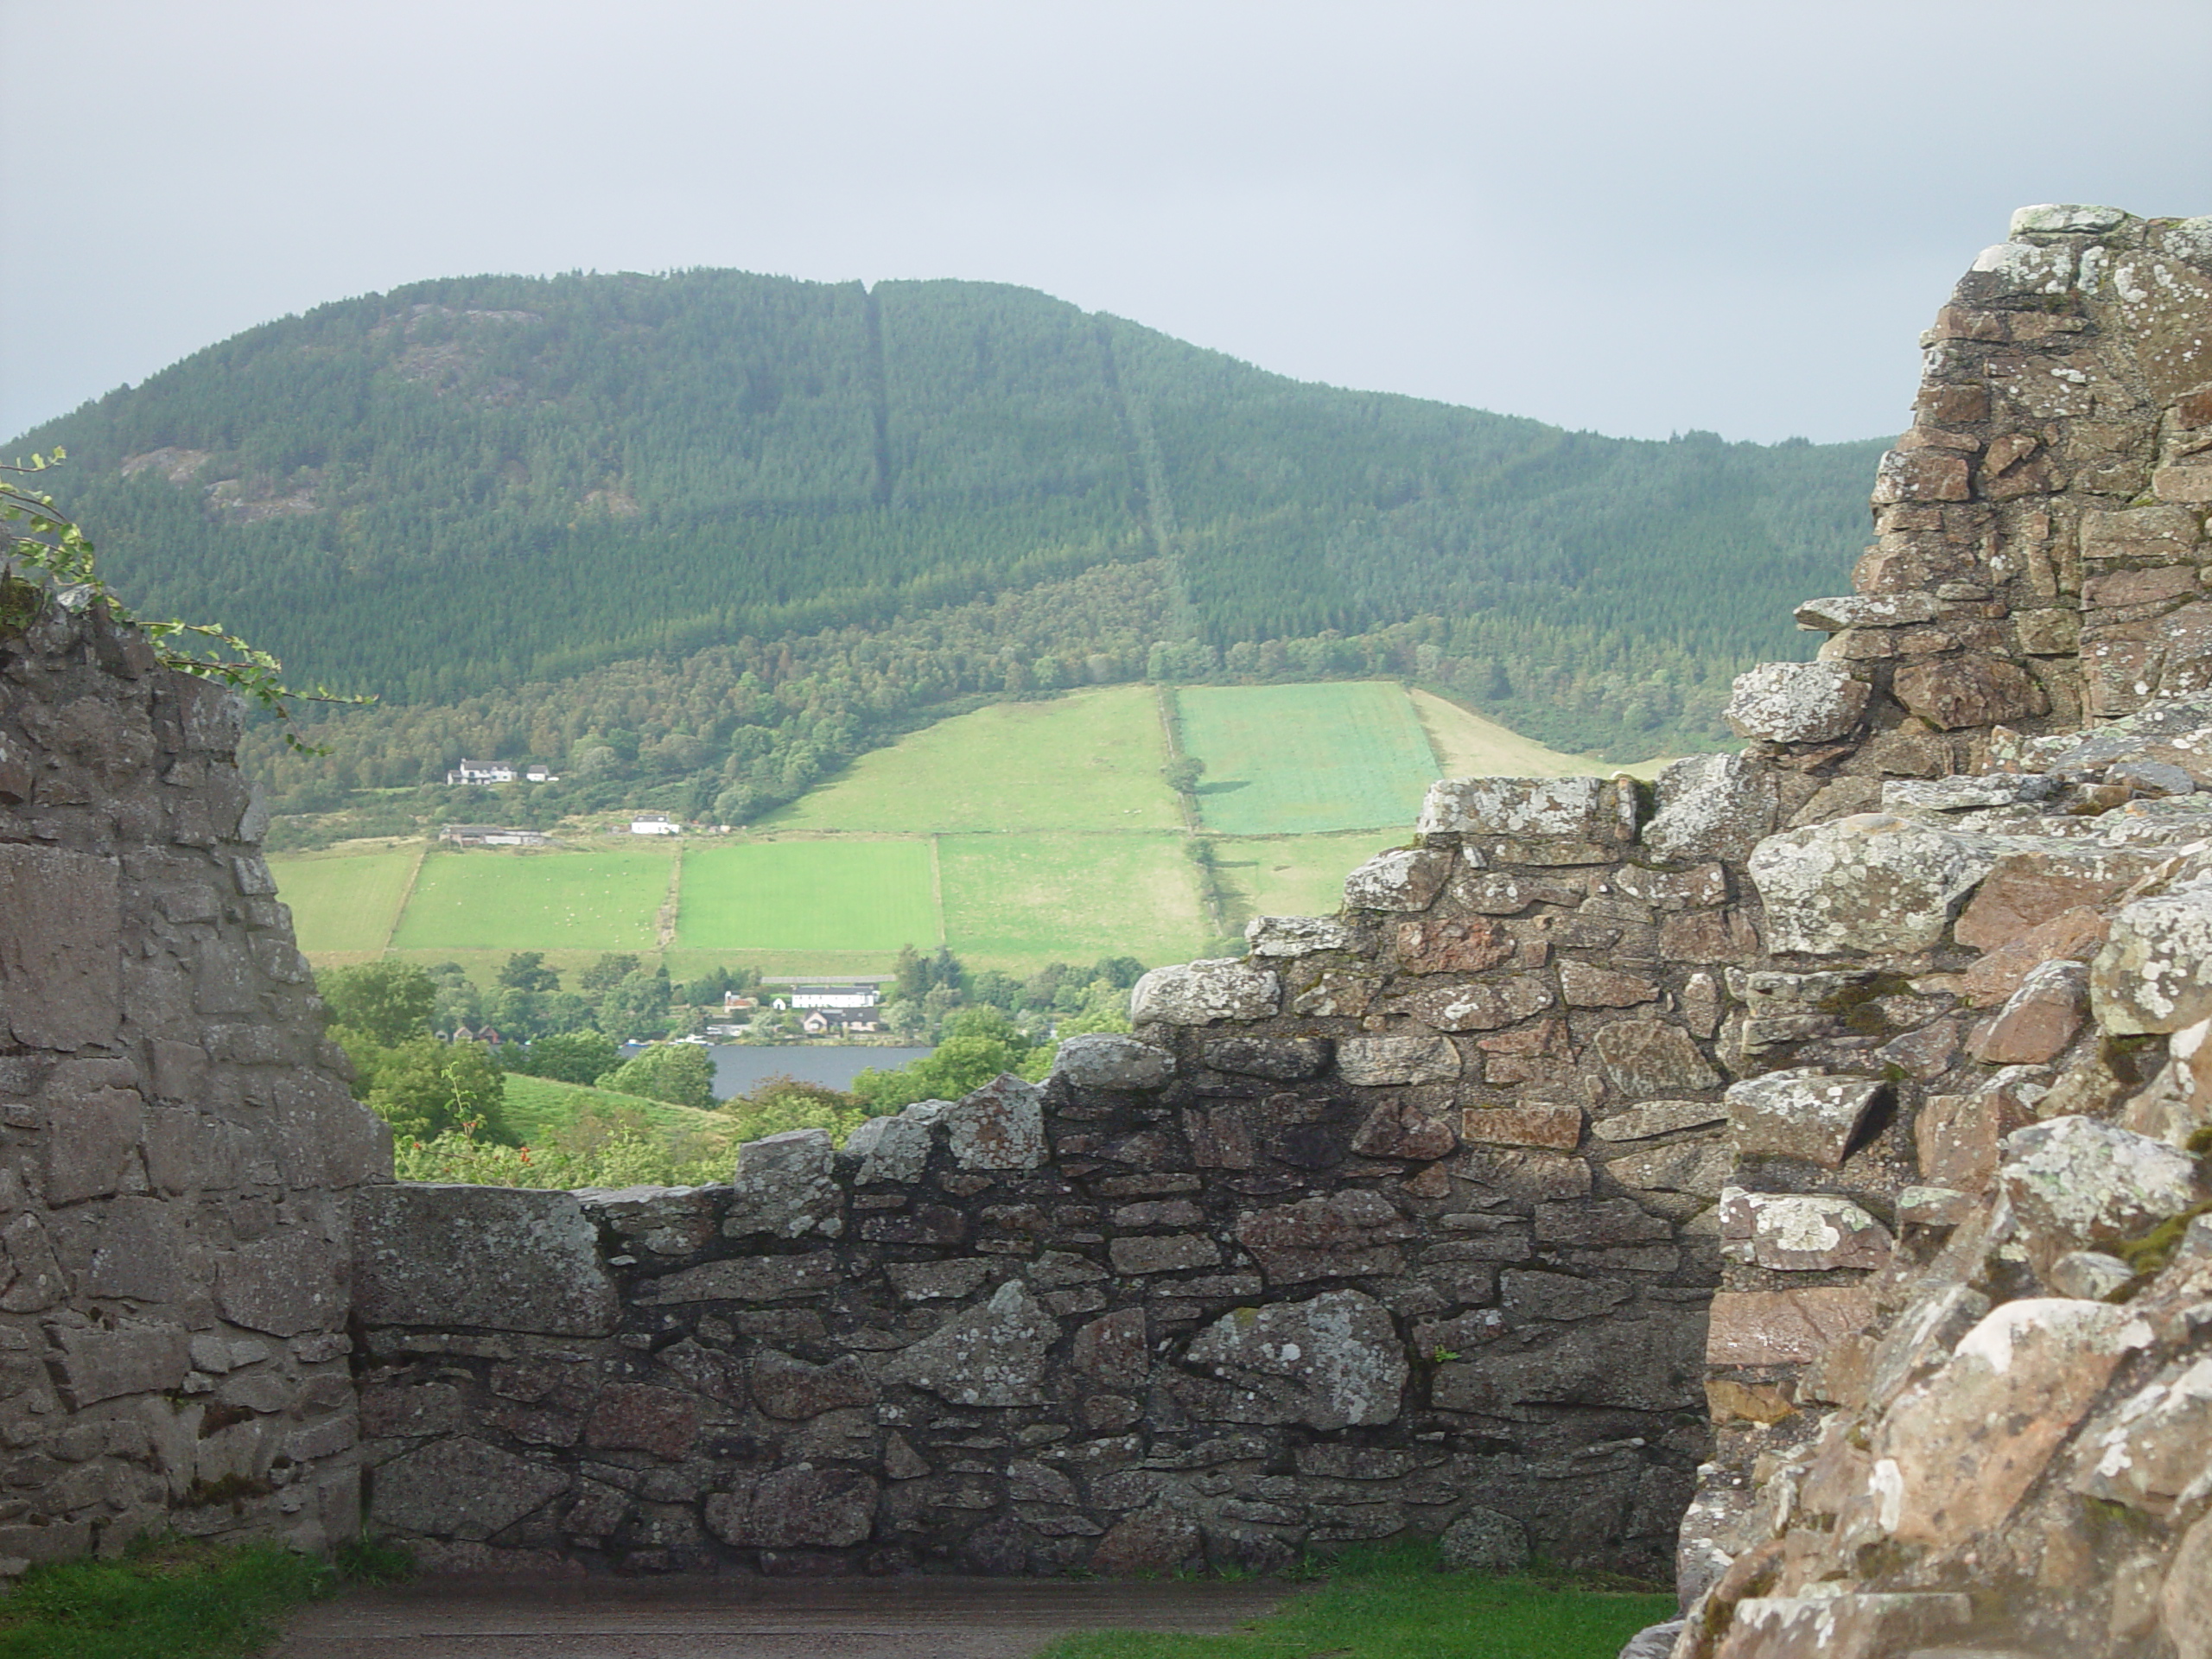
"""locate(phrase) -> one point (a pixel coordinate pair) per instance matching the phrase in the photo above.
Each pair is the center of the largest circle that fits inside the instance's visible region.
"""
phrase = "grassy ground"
(1056, 839)
(1017, 902)
(174, 1598)
(345, 900)
(492, 899)
(1470, 746)
(1396, 1605)
(842, 895)
(539, 1108)
(1292, 875)
(1306, 759)
(1089, 760)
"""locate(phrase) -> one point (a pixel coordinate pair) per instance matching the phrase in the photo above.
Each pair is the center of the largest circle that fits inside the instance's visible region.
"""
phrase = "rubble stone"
(1102, 1060)
(1796, 703)
(1199, 993)
(1329, 1362)
(1871, 883)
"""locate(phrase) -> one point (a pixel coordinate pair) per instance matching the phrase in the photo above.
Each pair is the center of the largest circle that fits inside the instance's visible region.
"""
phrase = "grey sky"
(1636, 218)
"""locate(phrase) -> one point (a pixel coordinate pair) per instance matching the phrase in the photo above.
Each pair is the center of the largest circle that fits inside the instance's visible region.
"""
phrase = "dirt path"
(750, 1618)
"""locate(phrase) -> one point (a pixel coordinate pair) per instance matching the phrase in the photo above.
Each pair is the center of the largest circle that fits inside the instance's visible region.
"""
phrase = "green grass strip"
(177, 1598)
(1394, 1604)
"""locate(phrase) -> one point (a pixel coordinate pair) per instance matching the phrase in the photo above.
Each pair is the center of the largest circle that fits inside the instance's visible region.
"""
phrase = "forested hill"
(465, 486)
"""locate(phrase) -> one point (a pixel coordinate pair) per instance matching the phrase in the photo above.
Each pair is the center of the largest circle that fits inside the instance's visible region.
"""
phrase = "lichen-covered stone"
(1651, 1057)
(1955, 1453)
(1871, 883)
(2075, 1181)
(1482, 1540)
(461, 1488)
(783, 1186)
(796, 1508)
(510, 1259)
(1796, 703)
(994, 1355)
(1405, 878)
(895, 1148)
(1803, 1231)
(1711, 806)
(1801, 1114)
(1104, 1060)
(1570, 808)
(1199, 993)
(1295, 936)
(1374, 1061)
(998, 1126)
(2155, 971)
(1329, 1362)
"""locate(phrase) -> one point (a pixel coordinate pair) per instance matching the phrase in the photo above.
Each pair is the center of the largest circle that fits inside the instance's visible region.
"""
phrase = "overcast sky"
(1636, 218)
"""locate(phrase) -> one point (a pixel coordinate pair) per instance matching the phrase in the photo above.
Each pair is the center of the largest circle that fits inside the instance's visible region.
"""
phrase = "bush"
(567, 1057)
(782, 1103)
(386, 1002)
(680, 1073)
(425, 1088)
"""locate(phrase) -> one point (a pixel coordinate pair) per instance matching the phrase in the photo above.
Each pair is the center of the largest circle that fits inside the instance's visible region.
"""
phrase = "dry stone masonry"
(177, 1152)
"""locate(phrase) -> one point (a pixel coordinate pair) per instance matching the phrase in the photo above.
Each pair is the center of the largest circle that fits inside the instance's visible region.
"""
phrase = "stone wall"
(1404, 1221)
(1955, 1360)
(177, 1154)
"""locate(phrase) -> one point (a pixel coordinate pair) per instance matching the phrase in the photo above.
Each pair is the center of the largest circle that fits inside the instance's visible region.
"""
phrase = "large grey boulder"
(501, 1257)
(1872, 883)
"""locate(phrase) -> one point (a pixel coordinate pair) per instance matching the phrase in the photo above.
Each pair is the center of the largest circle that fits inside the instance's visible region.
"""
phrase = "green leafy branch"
(48, 540)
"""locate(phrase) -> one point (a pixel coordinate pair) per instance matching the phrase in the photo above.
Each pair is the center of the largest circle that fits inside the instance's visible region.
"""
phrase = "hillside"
(677, 498)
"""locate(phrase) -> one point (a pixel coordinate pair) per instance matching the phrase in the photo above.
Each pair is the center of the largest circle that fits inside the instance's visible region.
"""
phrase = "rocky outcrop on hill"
(177, 1149)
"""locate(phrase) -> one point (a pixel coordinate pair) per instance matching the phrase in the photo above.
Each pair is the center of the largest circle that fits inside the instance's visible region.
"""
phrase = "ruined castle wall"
(176, 1153)
(1406, 1215)
(1956, 1359)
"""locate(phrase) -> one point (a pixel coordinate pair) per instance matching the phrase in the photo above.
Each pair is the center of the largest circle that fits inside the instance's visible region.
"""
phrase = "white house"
(497, 772)
(654, 824)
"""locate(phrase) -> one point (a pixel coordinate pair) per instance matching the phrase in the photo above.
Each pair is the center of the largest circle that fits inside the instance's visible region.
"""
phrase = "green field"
(1306, 760)
(1020, 833)
(1020, 901)
(1293, 876)
(488, 899)
(345, 901)
(1090, 760)
(843, 894)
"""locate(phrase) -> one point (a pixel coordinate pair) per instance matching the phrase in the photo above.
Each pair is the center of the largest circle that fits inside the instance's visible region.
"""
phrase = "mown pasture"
(491, 899)
(1019, 834)
(1089, 760)
(346, 900)
(843, 894)
(1306, 759)
(1020, 901)
(1292, 875)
